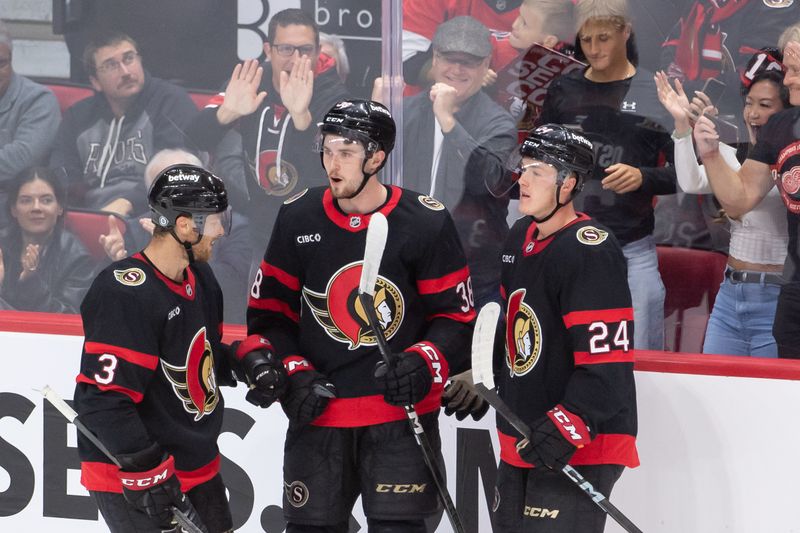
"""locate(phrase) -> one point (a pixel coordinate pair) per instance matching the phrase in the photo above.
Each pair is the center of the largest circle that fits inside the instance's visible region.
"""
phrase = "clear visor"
(516, 165)
(214, 223)
(352, 139)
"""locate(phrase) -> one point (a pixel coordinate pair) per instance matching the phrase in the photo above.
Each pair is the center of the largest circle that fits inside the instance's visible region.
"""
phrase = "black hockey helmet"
(365, 121)
(565, 149)
(186, 190)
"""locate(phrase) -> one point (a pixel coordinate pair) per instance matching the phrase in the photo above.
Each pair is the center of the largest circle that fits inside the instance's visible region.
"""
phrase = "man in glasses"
(263, 126)
(29, 116)
(106, 140)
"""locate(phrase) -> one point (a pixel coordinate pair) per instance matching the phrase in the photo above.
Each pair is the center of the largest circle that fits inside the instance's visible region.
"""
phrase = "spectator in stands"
(775, 154)
(422, 18)
(106, 140)
(615, 104)
(232, 255)
(43, 267)
(29, 118)
(744, 309)
(455, 136)
(265, 130)
(333, 47)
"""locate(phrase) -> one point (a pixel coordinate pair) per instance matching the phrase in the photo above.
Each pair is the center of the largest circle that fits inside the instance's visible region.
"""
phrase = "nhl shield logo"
(195, 384)
(132, 277)
(355, 222)
(339, 311)
(523, 335)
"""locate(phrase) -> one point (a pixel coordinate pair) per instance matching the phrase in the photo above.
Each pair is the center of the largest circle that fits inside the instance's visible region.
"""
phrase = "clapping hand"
(113, 242)
(30, 261)
(241, 94)
(297, 87)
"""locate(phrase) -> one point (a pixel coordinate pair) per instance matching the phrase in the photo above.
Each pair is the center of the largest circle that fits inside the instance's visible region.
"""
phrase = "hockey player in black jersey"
(567, 366)
(304, 301)
(153, 361)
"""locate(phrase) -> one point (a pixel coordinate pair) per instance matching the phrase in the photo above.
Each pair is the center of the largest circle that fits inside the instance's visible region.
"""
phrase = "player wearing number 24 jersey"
(566, 366)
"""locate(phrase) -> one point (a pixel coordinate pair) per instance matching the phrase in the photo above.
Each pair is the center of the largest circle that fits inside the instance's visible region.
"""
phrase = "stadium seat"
(67, 94)
(87, 225)
(691, 278)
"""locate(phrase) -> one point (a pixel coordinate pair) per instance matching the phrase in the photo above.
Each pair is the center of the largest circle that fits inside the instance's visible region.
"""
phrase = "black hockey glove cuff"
(261, 370)
(555, 437)
(407, 381)
(149, 484)
(461, 398)
(309, 391)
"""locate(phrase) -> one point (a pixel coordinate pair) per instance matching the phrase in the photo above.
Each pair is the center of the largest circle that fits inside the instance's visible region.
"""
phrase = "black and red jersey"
(569, 337)
(304, 298)
(151, 368)
(779, 147)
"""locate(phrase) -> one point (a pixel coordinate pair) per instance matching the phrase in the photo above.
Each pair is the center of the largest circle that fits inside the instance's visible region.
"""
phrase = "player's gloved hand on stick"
(309, 393)
(261, 369)
(149, 484)
(555, 437)
(407, 381)
(461, 398)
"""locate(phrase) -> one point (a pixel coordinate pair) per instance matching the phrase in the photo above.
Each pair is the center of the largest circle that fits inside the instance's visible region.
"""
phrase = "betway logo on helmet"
(378, 109)
(194, 178)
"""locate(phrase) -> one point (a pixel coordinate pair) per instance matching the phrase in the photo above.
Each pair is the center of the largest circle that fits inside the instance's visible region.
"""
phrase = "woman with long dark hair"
(43, 267)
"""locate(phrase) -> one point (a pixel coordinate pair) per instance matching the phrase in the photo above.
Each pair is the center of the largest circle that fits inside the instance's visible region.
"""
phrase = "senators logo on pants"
(523, 335)
(195, 384)
(339, 311)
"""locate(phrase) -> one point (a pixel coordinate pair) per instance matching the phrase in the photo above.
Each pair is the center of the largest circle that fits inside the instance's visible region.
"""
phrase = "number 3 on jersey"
(106, 376)
(599, 343)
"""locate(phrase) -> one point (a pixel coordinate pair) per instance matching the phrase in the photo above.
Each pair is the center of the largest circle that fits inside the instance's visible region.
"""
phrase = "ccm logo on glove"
(145, 480)
(573, 429)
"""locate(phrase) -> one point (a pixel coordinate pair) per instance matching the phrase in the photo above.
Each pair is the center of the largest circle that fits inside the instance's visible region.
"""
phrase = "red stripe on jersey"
(448, 281)
(132, 356)
(354, 222)
(104, 477)
(273, 304)
(185, 289)
(503, 293)
(607, 448)
(136, 397)
(371, 410)
(614, 356)
(216, 100)
(608, 316)
(458, 317)
(283, 277)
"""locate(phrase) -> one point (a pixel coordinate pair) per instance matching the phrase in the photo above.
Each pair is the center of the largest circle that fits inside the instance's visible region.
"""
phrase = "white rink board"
(717, 452)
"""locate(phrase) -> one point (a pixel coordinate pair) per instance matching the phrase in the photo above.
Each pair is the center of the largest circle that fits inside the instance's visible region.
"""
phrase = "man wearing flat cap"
(454, 138)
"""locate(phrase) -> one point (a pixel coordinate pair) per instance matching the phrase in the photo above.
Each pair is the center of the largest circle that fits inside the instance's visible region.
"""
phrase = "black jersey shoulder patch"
(132, 277)
(591, 235)
(296, 196)
(430, 202)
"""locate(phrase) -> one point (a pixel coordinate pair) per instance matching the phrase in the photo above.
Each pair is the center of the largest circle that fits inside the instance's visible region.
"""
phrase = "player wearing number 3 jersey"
(304, 301)
(567, 366)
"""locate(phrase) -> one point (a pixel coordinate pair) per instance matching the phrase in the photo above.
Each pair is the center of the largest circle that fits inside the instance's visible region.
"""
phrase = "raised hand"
(297, 87)
(241, 94)
(706, 137)
(701, 105)
(113, 242)
(622, 178)
(444, 97)
(674, 101)
(30, 261)
(147, 224)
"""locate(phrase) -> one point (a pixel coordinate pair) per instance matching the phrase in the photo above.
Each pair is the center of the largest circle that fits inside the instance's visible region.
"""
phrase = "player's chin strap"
(366, 177)
(562, 175)
(186, 244)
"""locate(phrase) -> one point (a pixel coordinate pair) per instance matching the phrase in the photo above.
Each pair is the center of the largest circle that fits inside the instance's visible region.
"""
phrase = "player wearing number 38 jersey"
(567, 366)
(304, 301)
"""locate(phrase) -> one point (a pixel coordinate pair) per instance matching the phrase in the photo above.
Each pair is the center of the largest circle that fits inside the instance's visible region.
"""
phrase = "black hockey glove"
(150, 485)
(407, 381)
(461, 398)
(309, 393)
(263, 372)
(555, 437)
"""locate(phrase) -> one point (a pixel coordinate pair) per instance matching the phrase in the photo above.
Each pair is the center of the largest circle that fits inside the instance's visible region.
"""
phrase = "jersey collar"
(354, 222)
(185, 289)
(531, 245)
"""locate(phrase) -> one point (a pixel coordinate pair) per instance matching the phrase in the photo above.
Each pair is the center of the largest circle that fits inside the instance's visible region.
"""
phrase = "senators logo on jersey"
(273, 182)
(195, 384)
(523, 335)
(339, 311)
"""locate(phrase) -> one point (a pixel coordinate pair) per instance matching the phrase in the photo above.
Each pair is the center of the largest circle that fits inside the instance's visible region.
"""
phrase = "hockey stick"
(483, 378)
(373, 252)
(189, 521)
